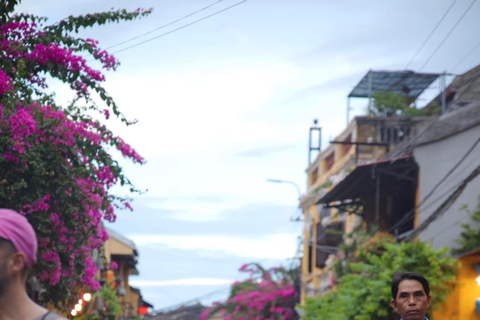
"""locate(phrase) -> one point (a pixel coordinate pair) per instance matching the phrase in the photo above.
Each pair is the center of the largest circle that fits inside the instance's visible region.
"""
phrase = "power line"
(427, 39)
(448, 34)
(165, 25)
(213, 293)
(466, 56)
(408, 216)
(451, 225)
(197, 299)
(447, 203)
(453, 169)
(444, 39)
(411, 214)
(431, 34)
(415, 139)
(182, 27)
(189, 302)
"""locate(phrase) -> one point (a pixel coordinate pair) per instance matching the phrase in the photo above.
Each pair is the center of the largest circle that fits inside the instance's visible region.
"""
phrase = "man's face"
(411, 302)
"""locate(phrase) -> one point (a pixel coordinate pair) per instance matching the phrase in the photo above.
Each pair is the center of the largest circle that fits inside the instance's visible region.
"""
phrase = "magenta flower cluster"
(55, 166)
(5, 83)
(265, 295)
(16, 33)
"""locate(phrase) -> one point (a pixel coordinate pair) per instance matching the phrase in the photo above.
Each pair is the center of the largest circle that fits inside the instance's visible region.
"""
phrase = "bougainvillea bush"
(56, 165)
(266, 294)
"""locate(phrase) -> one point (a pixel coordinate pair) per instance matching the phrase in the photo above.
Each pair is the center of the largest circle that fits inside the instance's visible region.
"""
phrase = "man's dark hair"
(9, 249)
(7, 246)
(400, 276)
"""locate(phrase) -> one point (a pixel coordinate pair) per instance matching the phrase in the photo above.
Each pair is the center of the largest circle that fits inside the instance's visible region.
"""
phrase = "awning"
(146, 304)
(408, 83)
(362, 178)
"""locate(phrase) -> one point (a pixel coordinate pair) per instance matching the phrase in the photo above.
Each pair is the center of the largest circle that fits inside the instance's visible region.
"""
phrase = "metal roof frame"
(408, 83)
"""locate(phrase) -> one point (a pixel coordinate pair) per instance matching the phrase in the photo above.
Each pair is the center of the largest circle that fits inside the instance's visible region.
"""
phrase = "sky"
(226, 103)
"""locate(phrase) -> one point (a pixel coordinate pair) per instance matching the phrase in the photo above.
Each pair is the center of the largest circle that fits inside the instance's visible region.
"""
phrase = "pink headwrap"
(16, 228)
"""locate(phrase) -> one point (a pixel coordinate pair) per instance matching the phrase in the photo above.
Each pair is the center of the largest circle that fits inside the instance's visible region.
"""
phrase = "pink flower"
(5, 83)
(113, 265)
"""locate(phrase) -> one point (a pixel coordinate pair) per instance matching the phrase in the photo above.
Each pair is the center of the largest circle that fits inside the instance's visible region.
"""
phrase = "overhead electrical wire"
(466, 56)
(166, 25)
(213, 293)
(447, 203)
(408, 216)
(470, 150)
(428, 38)
(433, 31)
(451, 189)
(182, 27)
(189, 302)
(197, 299)
(456, 223)
(431, 34)
(415, 139)
(448, 35)
(411, 214)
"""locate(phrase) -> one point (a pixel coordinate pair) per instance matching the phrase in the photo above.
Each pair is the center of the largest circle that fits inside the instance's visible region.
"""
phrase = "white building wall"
(435, 160)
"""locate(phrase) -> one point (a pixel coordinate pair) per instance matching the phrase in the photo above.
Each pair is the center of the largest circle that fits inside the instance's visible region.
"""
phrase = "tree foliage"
(470, 236)
(266, 294)
(363, 289)
(56, 165)
(112, 308)
(389, 104)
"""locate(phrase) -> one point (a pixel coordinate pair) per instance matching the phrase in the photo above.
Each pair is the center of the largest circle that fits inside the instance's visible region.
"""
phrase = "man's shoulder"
(51, 316)
(55, 316)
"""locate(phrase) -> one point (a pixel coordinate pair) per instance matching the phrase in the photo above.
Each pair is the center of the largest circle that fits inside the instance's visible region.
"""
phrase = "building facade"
(123, 253)
(448, 156)
(329, 206)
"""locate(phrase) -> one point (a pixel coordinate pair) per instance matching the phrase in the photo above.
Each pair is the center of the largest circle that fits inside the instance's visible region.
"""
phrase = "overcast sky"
(226, 103)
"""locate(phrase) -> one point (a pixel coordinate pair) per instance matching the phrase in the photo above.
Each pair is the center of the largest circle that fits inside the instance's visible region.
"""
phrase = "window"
(326, 239)
(324, 212)
(394, 134)
(330, 160)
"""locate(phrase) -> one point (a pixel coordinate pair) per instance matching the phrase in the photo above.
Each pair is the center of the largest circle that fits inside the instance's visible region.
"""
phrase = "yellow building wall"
(316, 181)
(129, 302)
(113, 246)
(132, 299)
(461, 303)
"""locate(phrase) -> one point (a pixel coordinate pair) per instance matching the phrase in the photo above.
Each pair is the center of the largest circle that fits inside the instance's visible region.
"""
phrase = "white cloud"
(201, 104)
(273, 246)
(182, 282)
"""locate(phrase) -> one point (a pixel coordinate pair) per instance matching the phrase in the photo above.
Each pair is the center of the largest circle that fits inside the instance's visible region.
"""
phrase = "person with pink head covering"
(18, 253)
